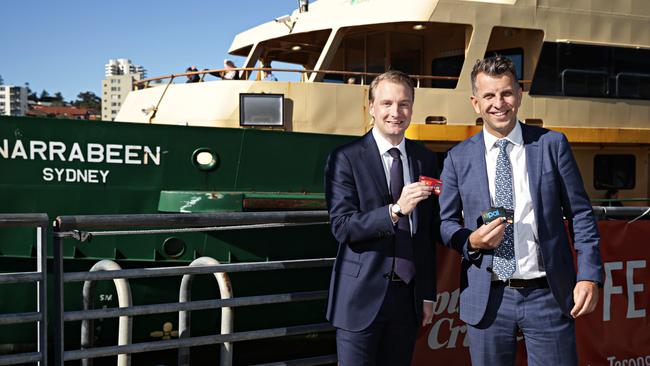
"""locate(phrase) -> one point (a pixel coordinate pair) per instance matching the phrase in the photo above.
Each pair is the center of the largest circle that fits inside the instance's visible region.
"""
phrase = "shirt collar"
(384, 145)
(515, 137)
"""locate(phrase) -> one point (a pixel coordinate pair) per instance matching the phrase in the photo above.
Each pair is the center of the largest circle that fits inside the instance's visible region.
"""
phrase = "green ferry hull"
(57, 167)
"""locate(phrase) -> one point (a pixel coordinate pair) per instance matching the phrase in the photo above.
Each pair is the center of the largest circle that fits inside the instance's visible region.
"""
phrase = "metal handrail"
(194, 305)
(19, 318)
(73, 226)
(179, 271)
(69, 223)
(635, 213)
(24, 220)
(248, 70)
(20, 277)
(200, 341)
(41, 222)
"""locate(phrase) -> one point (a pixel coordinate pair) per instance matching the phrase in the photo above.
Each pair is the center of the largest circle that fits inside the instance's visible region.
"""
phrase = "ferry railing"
(248, 71)
(79, 228)
(40, 222)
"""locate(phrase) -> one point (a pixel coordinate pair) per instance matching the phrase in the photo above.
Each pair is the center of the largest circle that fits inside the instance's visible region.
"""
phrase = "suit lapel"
(534, 165)
(478, 158)
(371, 159)
(415, 167)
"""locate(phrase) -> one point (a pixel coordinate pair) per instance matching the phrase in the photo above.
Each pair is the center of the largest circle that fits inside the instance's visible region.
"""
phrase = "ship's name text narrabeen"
(90, 153)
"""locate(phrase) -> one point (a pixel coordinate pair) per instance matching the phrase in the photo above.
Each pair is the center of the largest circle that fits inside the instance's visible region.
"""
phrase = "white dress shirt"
(383, 145)
(527, 254)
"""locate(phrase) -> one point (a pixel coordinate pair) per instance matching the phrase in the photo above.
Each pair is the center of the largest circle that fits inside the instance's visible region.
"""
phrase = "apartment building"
(120, 75)
(13, 100)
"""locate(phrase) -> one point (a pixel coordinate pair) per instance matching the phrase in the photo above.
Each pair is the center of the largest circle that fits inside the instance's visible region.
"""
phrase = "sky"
(62, 46)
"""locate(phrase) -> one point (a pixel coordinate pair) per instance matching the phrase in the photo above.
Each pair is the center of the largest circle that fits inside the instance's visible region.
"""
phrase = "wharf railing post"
(184, 317)
(41, 267)
(57, 272)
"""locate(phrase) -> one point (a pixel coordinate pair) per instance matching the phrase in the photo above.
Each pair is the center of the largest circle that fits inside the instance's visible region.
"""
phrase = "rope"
(88, 235)
(640, 216)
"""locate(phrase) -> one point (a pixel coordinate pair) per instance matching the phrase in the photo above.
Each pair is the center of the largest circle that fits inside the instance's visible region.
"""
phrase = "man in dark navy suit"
(517, 272)
(386, 224)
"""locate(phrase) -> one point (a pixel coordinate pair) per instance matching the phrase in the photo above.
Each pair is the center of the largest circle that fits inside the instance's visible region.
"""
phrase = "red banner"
(617, 333)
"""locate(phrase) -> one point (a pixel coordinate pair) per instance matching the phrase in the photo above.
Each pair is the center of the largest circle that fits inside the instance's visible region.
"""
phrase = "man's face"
(497, 100)
(392, 109)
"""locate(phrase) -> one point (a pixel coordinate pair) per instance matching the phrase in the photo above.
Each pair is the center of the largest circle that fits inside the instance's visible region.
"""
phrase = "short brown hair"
(493, 66)
(394, 76)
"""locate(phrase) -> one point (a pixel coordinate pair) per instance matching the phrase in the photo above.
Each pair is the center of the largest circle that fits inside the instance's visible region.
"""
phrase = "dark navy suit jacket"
(557, 191)
(357, 199)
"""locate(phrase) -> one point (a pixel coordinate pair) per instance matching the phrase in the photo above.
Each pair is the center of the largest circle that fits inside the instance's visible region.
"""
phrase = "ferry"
(254, 145)
(584, 67)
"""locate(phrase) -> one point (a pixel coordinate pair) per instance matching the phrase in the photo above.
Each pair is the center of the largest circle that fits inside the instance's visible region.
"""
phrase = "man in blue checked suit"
(518, 274)
(386, 223)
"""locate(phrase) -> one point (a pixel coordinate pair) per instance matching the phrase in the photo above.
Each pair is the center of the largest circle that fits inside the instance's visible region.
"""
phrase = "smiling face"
(497, 99)
(391, 108)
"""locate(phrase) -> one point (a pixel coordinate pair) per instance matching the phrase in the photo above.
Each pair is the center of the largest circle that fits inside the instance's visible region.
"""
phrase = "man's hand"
(427, 313)
(585, 297)
(412, 194)
(488, 236)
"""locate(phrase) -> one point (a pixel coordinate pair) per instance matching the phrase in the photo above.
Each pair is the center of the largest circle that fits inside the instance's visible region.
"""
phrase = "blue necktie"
(504, 264)
(404, 266)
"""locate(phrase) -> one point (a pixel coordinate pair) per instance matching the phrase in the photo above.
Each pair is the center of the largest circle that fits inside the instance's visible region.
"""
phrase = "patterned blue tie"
(504, 264)
(404, 266)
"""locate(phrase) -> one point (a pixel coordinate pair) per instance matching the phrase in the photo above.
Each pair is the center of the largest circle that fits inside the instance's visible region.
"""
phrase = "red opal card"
(432, 182)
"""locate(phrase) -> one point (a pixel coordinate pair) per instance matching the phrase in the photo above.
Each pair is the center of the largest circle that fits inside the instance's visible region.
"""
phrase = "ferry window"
(406, 53)
(354, 51)
(514, 54)
(567, 69)
(631, 73)
(447, 66)
(414, 48)
(614, 171)
(376, 53)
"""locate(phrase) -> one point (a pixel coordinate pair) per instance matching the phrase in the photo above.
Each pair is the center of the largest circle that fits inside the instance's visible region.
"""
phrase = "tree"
(88, 100)
(44, 95)
(57, 99)
(31, 95)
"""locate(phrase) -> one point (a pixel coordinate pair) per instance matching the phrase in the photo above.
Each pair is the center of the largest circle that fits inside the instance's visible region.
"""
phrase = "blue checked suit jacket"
(557, 191)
